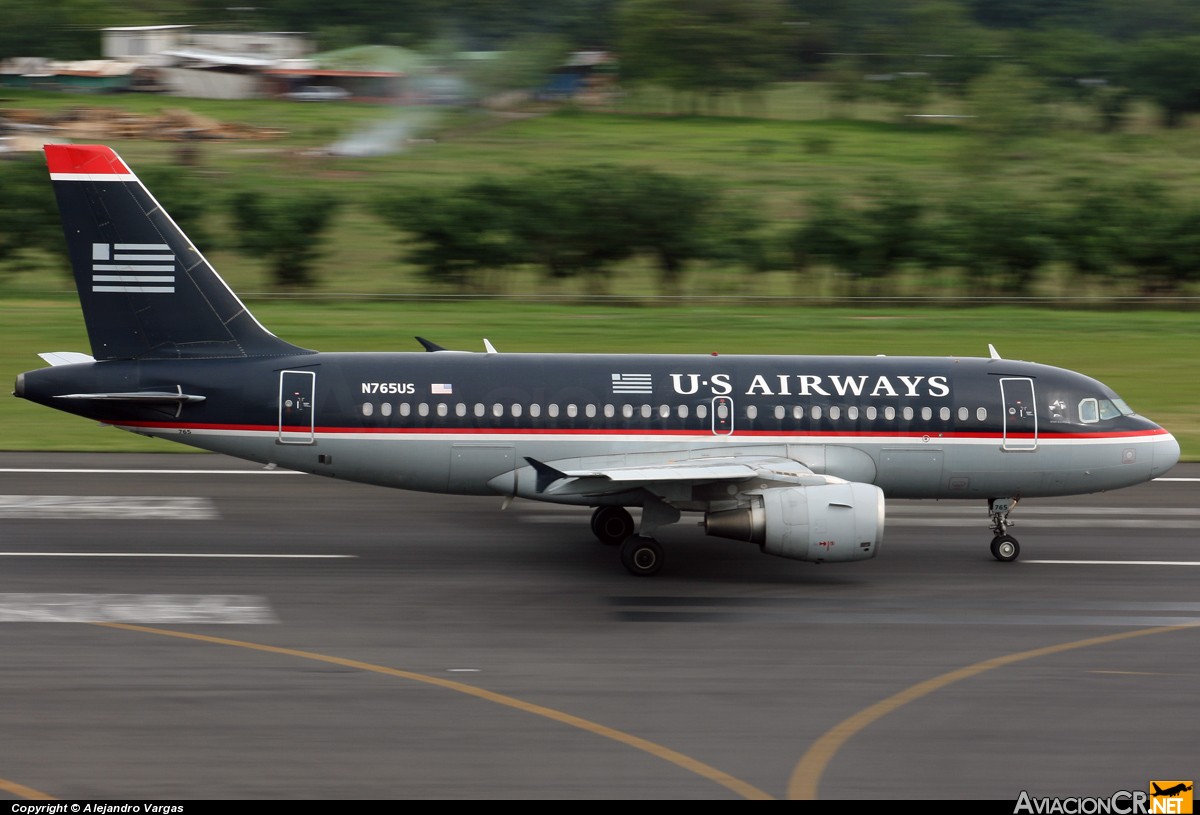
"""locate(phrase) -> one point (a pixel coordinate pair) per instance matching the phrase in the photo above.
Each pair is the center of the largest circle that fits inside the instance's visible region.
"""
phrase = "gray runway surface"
(435, 647)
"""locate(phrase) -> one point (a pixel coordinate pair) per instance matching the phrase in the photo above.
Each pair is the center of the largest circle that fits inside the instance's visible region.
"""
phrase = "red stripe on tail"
(92, 159)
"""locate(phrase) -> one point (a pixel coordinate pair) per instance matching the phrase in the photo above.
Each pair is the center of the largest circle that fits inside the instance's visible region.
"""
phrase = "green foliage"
(712, 47)
(1167, 71)
(284, 231)
(457, 236)
(1132, 230)
(1000, 240)
(1005, 103)
(865, 244)
(28, 214)
(571, 221)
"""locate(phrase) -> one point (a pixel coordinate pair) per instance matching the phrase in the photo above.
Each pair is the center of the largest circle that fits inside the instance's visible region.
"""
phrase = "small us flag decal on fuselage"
(632, 383)
(145, 268)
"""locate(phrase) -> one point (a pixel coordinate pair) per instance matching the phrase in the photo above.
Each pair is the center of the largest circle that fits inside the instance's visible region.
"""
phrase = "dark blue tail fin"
(146, 291)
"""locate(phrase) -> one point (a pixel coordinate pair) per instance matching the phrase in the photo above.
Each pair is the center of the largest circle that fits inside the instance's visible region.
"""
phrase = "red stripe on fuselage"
(610, 431)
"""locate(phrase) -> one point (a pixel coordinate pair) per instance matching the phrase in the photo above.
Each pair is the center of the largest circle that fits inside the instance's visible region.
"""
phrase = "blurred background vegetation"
(749, 155)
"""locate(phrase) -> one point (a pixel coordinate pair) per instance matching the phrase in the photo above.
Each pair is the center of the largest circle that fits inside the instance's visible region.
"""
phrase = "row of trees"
(581, 222)
(584, 223)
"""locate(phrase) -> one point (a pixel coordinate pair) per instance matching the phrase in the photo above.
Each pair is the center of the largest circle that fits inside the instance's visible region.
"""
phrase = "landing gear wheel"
(612, 525)
(643, 557)
(1005, 548)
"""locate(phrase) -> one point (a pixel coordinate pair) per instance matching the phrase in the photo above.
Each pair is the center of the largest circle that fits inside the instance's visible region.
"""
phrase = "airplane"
(1170, 792)
(793, 453)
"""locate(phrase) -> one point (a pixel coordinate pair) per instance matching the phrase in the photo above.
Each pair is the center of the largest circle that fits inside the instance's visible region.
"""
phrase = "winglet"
(546, 475)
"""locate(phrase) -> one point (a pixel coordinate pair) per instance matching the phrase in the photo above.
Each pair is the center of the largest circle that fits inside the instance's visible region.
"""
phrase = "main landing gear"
(1004, 546)
(641, 554)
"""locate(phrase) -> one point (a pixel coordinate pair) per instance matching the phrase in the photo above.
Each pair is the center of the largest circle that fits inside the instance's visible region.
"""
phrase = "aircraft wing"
(552, 480)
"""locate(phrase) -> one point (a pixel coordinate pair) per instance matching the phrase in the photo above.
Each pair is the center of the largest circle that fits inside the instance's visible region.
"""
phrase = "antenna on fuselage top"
(993, 352)
(491, 349)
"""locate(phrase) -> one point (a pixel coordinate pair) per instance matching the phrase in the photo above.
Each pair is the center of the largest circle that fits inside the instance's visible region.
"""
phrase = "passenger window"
(1089, 411)
(572, 411)
(701, 411)
(590, 411)
(386, 408)
(926, 413)
(516, 410)
(460, 409)
(442, 409)
(683, 411)
(553, 411)
(535, 410)
(871, 413)
(852, 413)
(889, 413)
(780, 411)
(497, 410)
(664, 411)
(645, 411)
(368, 408)
(835, 413)
(627, 411)
(963, 414)
(751, 411)
(797, 412)
(480, 409)
(908, 414)
(610, 411)
(423, 409)
(981, 414)
(816, 412)
(944, 413)
(405, 408)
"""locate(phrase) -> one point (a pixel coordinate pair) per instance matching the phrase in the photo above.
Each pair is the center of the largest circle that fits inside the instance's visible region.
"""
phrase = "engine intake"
(829, 522)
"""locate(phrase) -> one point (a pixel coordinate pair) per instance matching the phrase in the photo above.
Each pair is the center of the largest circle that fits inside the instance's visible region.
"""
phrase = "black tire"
(612, 525)
(643, 557)
(1005, 548)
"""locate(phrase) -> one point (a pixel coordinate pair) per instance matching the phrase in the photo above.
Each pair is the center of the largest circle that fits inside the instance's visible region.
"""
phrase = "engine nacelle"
(829, 522)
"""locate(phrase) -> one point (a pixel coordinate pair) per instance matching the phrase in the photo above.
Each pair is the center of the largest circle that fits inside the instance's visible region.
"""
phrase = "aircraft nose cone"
(1166, 455)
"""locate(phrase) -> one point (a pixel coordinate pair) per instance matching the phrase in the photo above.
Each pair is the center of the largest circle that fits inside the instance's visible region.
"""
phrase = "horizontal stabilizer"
(66, 357)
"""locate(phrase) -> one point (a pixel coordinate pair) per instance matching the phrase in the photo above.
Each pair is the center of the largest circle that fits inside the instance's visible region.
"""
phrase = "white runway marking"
(170, 554)
(94, 507)
(1118, 562)
(159, 609)
(148, 472)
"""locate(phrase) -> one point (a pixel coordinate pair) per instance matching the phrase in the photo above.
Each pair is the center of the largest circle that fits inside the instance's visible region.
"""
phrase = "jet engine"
(828, 522)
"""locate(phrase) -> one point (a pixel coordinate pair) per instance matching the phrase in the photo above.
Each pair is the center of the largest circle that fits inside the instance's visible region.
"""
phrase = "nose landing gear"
(1004, 546)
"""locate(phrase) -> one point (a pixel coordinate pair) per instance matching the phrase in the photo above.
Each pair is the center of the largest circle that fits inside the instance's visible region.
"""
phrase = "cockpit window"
(1089, 412)
(1096, 410)
(1121, 406)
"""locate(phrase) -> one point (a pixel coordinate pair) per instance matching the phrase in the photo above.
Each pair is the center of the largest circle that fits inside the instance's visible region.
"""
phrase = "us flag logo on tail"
(632, 383)
(144, 268)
